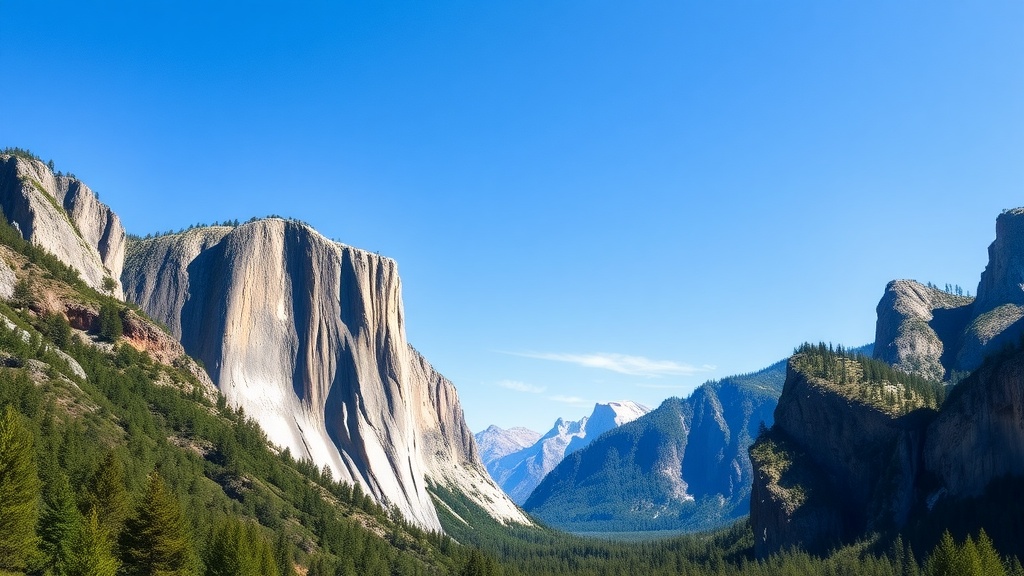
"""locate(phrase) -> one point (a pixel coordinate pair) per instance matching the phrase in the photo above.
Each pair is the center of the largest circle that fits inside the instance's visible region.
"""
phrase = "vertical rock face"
(308, 337)
(64, 217)
(925, 331)
(979, 435)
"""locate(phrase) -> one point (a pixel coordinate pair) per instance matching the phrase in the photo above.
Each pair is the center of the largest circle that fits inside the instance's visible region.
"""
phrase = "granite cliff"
(64, 217)
(308, 337)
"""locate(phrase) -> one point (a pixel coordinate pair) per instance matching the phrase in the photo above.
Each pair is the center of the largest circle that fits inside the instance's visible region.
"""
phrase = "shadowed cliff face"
(833, 468)
(308, 337)
(64, 217)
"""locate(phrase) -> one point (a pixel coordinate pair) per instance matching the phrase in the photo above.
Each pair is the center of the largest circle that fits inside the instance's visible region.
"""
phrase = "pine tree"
(943, 559)
(284, 554)
(19, 493)
(94, 550)
(239, 549)
(155, 540)
(107, 494)
(111, 326)
(60, 524)
(988, 558)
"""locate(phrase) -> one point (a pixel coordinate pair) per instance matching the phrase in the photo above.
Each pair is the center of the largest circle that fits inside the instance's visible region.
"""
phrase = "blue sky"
(587, 200)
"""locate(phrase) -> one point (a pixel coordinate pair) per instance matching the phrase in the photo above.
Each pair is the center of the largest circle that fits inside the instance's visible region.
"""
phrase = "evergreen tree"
(943, 559)
(94, 550)
(155, 541)
(239, 549)
(111, 326)
(988, 558)
(60, 524)
(106, 494)
(284, 555)
(19, 493)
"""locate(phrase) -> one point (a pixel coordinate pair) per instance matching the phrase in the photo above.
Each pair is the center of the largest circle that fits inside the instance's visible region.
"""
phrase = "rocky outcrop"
(834, 467)
(683, 466)
(936, 335)
(918, 328)
(520, 472)
(64, 217)
(308, 337)
(856, 465)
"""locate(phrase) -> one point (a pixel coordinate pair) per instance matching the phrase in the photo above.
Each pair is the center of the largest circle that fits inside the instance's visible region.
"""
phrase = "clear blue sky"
(700, 186)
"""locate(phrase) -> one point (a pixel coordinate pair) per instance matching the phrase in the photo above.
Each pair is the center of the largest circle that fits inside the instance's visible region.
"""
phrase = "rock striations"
(308, 337)
(519, 472)
(63, 216)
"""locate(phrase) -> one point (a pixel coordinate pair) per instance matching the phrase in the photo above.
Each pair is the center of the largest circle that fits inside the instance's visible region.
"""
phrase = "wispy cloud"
(664, 386)
(622, 363)
(521, 387)
(571, 400)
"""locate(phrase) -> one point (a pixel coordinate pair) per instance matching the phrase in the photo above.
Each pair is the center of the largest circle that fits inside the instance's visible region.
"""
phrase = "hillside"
(683, 466)
(107, 407)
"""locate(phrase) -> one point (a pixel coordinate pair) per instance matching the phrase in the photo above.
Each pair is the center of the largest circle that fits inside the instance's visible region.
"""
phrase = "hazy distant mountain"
(495, 443)
(518, 473)
(682, 466)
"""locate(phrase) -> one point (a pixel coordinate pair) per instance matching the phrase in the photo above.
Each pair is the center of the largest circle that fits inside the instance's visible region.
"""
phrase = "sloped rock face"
(64, 217)
(936, 335)
(308, 337)
(918, 326)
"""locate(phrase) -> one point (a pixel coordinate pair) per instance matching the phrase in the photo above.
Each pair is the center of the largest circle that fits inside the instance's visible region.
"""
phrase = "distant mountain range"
(683, 466)
(519, 471)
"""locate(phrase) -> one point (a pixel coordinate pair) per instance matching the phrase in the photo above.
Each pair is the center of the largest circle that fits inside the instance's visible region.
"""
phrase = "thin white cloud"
(622, 363)
(664, 386)
(571, 400)
(522, 387)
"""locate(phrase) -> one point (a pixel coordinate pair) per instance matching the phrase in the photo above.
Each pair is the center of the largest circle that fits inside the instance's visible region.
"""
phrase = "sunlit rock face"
(308, 337)
(64, 217)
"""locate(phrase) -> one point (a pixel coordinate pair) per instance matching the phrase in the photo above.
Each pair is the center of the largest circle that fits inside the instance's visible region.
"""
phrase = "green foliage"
(94, 550)
(109, 284)
(239, 549)
(19, 492)
(60, 524)
(155, 541)
(111, 326)
(106, 494)
(57, 329)
(866, 379)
